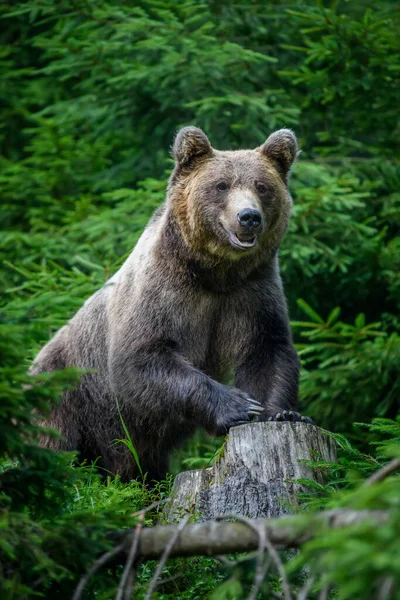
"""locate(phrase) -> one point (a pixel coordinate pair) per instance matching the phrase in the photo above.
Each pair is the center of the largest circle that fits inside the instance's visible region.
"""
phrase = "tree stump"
(254, 475)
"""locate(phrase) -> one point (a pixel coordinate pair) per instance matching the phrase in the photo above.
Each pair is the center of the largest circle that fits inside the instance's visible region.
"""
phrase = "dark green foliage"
(371, 550)
(104, 86)
(92, 94)
(54, 518)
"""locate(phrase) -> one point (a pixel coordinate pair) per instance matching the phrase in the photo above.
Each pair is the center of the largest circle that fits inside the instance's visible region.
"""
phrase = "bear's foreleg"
(269, 366)
(270, 373)
(156, 381)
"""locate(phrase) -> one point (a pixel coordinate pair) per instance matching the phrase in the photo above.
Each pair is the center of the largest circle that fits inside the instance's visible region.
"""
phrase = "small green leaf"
(309, 311)
(333, 315)
(360, 321)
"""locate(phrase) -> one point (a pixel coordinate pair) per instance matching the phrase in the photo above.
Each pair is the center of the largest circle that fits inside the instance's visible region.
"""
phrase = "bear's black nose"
(249, 218)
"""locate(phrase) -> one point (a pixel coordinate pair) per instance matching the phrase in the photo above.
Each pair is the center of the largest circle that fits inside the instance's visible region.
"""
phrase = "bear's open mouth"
(242, 240)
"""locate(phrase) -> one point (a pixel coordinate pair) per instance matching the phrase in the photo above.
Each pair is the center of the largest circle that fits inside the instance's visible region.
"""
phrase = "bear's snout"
(250, 219)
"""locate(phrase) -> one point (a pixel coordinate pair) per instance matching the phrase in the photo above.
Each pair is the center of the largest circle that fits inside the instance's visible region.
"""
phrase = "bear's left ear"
(281, 148)
(190, 144)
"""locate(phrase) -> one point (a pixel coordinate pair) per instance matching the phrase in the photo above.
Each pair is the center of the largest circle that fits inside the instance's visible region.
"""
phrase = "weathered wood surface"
(253, 476)
(215, 537)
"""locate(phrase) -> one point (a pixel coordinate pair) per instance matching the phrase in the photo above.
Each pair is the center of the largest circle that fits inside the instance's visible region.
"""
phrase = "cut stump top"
(254, 475)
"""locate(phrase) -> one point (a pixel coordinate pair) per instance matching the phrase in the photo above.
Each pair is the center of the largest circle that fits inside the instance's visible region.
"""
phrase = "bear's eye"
(222, 186)
(261, 188)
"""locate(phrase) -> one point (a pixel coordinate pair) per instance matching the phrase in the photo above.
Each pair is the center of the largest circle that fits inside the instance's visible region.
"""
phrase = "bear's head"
(231, 204)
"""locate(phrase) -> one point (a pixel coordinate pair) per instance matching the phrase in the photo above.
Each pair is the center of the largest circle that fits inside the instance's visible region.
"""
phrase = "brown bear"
(199, 295)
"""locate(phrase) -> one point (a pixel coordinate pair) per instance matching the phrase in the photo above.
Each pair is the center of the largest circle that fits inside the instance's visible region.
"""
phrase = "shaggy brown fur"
(199, 295)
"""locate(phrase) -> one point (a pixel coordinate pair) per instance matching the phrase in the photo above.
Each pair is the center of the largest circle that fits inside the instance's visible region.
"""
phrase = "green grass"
(128, 441)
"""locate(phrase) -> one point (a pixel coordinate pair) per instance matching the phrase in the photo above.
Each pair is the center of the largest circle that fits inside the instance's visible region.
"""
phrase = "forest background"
(92, 95)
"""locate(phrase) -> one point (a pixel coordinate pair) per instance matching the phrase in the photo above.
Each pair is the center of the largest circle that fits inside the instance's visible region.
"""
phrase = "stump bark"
(254, 476)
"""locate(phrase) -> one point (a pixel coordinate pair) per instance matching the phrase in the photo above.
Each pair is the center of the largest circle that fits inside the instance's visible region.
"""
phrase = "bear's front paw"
(290, 415)
(236, 408)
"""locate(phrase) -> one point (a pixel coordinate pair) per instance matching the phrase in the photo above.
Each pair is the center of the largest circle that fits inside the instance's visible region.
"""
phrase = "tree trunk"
(254, 475)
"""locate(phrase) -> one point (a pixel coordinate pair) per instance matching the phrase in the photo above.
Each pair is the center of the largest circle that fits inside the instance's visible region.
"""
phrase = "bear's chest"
(231, 336)
(195, 317)
(214, 332)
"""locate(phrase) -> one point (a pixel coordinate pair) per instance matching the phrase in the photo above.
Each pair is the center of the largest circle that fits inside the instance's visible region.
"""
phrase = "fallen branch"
(213, 538)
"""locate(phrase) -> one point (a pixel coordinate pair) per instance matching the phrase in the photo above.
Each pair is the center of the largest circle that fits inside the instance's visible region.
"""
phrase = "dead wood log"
(221, 537)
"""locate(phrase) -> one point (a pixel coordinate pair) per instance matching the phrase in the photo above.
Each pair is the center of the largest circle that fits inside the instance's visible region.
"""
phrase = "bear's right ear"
(282, 149)
(190, 144)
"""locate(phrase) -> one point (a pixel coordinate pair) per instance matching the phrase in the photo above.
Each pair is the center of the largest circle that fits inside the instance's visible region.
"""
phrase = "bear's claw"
(237, 423)
(291, 415)
(255, 408)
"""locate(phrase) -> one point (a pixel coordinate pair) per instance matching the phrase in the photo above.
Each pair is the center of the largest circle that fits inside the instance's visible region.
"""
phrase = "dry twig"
(130, 583)
(128, 575)
(150, 507)
(262, 564)
(100, 562)
(303, 593)
(262, 567)
(225, 561)
(281, 569)
(386, 589)
(384, 472)
(324, 595)
(165, 556)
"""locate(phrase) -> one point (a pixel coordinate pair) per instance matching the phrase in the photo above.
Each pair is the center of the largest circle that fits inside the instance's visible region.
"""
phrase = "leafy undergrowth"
(371, 550)
(93, 92)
